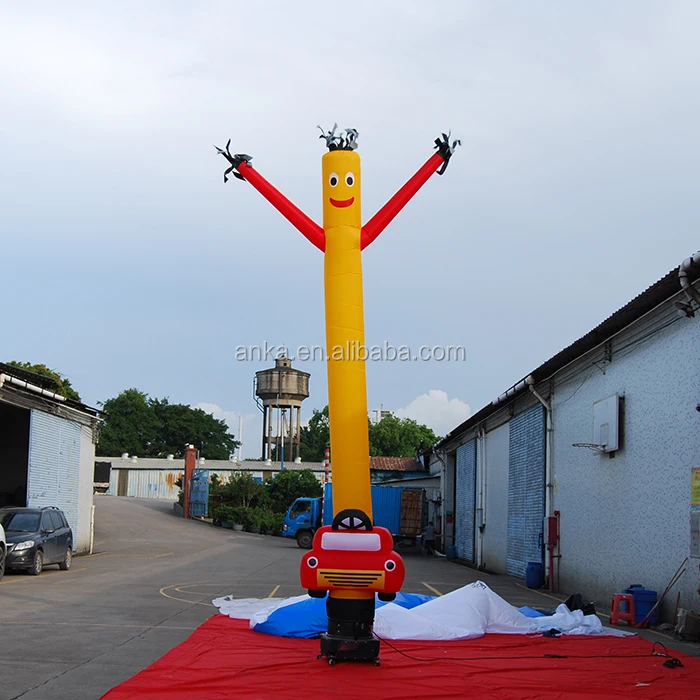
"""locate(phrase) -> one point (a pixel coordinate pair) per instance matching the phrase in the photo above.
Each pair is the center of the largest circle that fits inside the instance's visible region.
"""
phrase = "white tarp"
(257, 610)
(466, 613)
(473, 611)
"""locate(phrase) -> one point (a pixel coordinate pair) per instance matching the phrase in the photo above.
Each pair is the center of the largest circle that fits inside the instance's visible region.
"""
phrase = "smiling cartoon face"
(341, 189)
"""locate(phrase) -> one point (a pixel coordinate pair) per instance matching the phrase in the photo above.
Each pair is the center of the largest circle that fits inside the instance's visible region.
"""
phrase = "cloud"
(251, 426)
(436, 410)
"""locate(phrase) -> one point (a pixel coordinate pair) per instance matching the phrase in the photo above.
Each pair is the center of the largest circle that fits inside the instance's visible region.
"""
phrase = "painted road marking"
(274, 590)
(127, 555)
(180, 589)
(163, 590)
(430, 588)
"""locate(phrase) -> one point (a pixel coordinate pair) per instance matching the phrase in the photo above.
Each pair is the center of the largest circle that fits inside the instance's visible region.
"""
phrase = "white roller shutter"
(54, 465)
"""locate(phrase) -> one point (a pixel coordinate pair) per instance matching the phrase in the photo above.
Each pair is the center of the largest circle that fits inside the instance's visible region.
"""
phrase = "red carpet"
(225, 659)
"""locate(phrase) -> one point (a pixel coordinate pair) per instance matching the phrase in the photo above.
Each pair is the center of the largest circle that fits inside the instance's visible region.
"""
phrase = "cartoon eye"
(349, 179)
(312, 562)
(333, 179)
(389, 565)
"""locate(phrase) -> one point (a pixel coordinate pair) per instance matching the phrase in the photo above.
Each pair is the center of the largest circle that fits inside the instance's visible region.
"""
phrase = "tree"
(62, 385)
(146, 427)
(130, 426)
(182, 425)
(285, 487)
(399, 437)
(391, 437)
(315, 437)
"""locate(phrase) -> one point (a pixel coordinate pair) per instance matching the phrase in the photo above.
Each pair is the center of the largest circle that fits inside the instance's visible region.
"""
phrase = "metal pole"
(282, 439)
(291, 434)
(264, 436)
(240, 436)
(279, 432)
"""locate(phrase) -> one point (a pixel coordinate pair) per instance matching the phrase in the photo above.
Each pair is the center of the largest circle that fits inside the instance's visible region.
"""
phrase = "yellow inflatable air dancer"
(350, 604)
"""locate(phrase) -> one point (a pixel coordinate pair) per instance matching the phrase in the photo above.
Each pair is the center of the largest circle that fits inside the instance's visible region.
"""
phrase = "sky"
(127, 262)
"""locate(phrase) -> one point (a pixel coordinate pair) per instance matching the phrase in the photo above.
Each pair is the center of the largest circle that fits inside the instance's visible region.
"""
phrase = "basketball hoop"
(591, 446)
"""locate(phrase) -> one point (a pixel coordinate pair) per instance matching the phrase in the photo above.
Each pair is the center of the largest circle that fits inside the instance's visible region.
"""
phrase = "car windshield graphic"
(351, 541)
(20, 522)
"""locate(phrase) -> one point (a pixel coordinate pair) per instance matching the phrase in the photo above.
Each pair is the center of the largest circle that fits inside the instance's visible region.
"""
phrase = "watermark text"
(352, 351)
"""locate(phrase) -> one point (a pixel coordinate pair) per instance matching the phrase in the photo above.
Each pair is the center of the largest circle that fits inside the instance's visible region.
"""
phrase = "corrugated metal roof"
(213, 464)
(398, 464)
(43, 382)
(649, 299)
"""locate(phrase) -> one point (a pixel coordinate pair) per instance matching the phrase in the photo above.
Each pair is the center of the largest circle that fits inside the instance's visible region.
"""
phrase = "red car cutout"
(353, 560)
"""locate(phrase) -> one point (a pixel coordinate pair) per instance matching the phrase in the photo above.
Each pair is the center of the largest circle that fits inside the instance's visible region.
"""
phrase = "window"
(300, 508)
(55, 520)
(20, 522)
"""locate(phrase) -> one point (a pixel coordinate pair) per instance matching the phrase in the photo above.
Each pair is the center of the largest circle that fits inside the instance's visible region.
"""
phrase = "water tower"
(281, 389)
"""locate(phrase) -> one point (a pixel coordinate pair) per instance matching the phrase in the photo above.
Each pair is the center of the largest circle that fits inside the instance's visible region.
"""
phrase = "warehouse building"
(157, 478)
(604, 438)
(47, 450)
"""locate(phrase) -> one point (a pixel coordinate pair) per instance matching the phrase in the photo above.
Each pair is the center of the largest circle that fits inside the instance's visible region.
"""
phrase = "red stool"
(616, 613)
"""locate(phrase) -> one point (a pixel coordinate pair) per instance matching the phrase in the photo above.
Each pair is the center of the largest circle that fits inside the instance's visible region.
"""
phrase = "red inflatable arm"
(308, 228)
(386, 214)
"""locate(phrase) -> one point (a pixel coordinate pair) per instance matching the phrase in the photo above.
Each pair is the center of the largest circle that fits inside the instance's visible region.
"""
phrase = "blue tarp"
(307, 619)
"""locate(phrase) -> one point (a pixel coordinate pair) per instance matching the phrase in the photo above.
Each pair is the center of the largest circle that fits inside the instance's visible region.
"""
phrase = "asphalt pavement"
(75, 634)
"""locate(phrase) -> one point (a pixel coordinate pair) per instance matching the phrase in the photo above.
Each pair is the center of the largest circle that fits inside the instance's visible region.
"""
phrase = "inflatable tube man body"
(342, 239)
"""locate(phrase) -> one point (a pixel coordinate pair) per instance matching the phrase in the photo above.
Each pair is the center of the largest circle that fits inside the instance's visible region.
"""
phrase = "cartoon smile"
(341, 203)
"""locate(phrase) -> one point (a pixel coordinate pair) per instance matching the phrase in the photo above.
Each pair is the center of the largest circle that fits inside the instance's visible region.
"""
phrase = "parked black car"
(36, 537)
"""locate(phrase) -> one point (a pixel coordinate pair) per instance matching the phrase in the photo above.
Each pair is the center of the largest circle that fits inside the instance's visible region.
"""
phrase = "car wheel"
(37, 564)
(305, 539)
(2, 561)
(65, 564)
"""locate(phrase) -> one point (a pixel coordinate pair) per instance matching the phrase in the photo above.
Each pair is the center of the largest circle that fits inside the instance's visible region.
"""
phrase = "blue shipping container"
(386, 507)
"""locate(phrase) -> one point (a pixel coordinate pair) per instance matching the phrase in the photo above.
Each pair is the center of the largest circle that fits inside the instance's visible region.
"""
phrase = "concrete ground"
(76, 634)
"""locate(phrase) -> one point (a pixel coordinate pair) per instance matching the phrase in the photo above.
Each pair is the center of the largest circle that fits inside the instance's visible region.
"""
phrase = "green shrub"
(223, 513)
(285, 487)
(240, 515)
(276, 520)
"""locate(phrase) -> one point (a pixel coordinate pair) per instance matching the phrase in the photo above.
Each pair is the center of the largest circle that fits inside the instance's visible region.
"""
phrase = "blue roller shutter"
(465, 500)
(526, 485)
(54, 465)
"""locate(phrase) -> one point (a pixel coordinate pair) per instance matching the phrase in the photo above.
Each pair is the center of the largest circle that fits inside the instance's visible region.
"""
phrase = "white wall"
(495, 538)
(626, 520)
(85, 489)
(160, 483)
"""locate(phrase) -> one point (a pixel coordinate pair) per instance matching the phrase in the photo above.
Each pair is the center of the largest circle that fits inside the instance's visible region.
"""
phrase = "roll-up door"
(465, 500)
(526, 466)
(54, 465)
